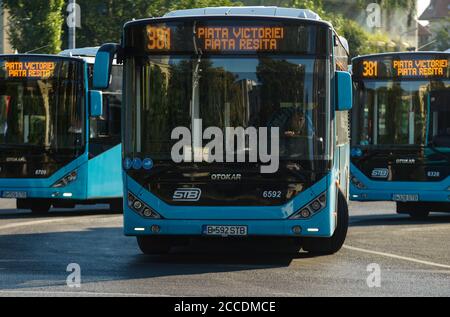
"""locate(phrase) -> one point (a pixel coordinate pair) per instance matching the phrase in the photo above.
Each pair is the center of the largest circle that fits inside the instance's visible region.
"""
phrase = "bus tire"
(40, 207)
(328, 246)
(116, 205)
(419, 215)
(23, 203)
(154, 245)
(416, 211)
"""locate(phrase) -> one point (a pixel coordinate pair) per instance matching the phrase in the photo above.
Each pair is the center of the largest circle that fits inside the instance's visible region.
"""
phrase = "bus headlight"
(140, 208)
(66, 180)
(311, 209)
(358, 184)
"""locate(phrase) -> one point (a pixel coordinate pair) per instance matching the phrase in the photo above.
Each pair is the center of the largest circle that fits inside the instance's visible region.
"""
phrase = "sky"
(422, 5)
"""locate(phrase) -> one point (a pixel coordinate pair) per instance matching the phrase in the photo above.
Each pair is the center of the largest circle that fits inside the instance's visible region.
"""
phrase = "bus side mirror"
(103, 65)
(96, 103)
(344, 91)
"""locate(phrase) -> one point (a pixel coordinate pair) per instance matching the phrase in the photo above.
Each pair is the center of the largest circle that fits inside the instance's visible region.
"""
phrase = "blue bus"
(59, 139)
(236, 125)
(401, 131)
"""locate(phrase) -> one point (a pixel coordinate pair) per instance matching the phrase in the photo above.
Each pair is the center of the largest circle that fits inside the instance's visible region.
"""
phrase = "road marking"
(398, 257)
(82, 293)
(40, 222)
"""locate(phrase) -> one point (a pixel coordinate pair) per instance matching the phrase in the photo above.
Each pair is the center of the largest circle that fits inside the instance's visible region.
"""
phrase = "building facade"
(438, 16)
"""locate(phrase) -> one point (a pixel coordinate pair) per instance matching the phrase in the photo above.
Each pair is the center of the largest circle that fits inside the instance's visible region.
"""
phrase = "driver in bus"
(296, 125)
(297, 132)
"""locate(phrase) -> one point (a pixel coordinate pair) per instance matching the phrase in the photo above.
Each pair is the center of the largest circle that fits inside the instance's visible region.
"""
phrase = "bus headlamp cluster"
(358, 184)
(140, 208)
(66, 180)
(312, 208)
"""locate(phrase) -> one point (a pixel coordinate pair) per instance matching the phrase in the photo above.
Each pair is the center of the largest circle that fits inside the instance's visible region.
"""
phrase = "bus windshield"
(402, 113)
(269, 91)
(42, 104)
(249, 73)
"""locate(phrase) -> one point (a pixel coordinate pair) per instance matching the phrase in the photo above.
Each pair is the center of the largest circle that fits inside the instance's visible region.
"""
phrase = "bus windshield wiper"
(435, 150)
(373, 153)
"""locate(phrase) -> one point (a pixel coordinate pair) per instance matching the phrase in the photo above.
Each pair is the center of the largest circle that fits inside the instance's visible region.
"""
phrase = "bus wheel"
(116, 205)
(415, 210)
(328, 246)
(40, 207)
(419, 214)
(154, 245)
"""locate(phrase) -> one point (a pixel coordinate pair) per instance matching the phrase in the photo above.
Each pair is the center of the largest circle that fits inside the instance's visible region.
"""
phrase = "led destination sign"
(240, 38)
(216, 37)
(414, 67)
(227, 38)
(29, 69)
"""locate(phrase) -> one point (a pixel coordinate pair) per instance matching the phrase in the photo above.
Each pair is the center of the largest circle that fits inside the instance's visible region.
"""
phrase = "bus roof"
(247, 11)
(244, 11)
(86, 53)
(65, 57)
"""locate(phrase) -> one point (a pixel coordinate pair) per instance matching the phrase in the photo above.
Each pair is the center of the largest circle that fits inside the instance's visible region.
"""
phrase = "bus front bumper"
(317, 226)
(41, 193)
(384, 192)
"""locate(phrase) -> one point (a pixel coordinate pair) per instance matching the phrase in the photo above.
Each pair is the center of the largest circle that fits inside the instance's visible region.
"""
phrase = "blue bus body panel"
(269, 221)
(384, 191)
(105, 174)
(42, 188)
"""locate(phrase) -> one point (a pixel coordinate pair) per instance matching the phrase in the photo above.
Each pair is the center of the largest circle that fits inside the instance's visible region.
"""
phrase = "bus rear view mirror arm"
(103, 65)
(344, 94)
(96, 103)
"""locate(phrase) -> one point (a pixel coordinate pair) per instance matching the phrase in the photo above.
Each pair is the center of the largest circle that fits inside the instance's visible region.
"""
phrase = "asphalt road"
(413, 259)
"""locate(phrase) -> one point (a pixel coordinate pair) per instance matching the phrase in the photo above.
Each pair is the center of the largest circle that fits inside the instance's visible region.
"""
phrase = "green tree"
(102, 21)
(35, 25)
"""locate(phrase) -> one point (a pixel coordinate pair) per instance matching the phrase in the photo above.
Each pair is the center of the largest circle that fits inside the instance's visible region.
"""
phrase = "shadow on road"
(397, 220)
(56, 213)
(104, 254)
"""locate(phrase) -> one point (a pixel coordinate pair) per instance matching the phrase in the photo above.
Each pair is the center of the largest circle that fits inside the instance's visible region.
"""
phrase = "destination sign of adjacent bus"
(29, 69)
(412, 68)
(422, 67)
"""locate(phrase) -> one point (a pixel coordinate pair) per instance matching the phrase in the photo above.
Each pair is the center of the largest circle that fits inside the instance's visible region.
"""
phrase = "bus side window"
(104, 132)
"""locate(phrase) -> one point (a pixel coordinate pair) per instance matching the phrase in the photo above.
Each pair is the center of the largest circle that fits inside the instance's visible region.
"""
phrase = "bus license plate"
(14, 195)
(405, 198)
(226, 231)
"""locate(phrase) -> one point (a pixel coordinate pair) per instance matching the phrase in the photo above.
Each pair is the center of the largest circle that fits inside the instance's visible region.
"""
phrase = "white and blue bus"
(59, 139)
(401, 131)
(235, 125)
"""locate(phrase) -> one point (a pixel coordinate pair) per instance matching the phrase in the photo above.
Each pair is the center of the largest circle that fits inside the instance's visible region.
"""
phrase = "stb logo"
(380, 173)
(187, 194)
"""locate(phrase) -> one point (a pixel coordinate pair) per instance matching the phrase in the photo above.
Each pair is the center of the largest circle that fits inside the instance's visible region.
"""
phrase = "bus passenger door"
(105, 151)
(438, 119)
